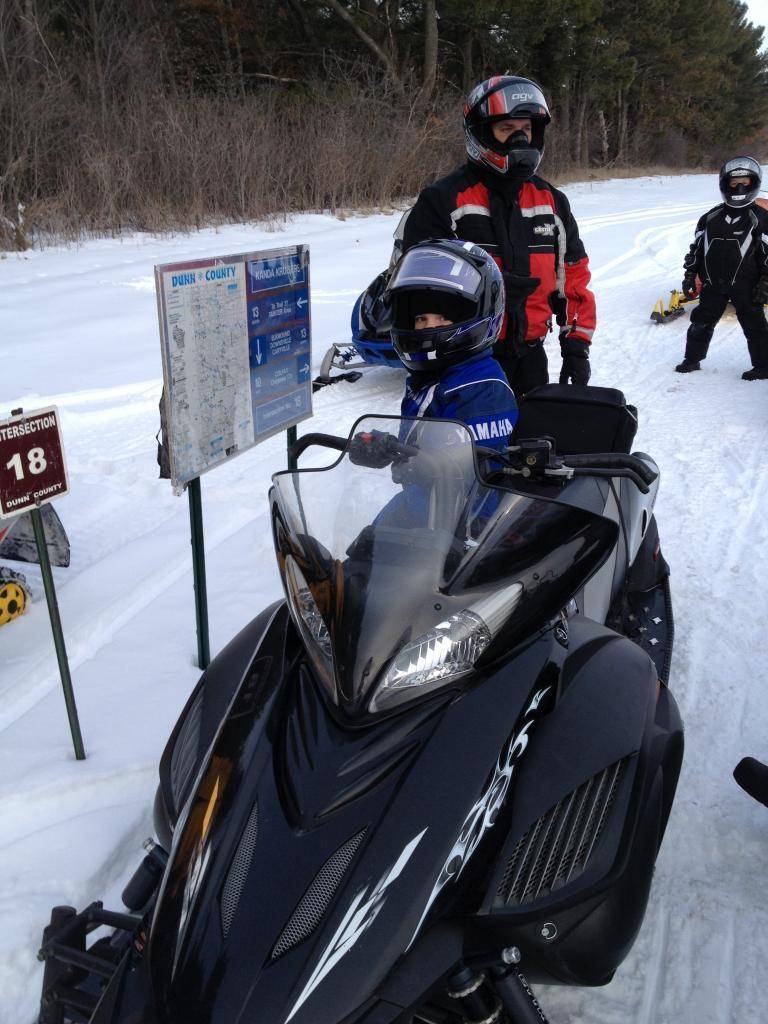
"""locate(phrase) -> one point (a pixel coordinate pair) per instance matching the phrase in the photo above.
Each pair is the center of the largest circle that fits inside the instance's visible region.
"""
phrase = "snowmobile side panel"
(589, 813)
(204, 711)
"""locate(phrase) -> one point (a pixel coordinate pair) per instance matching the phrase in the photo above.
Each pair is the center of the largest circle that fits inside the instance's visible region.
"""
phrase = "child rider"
(446, 299)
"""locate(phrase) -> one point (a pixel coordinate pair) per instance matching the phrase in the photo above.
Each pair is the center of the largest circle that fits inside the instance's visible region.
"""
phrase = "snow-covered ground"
(78, 328)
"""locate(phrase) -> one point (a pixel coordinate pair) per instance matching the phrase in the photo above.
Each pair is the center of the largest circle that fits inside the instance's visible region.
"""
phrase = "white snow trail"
(78, 328)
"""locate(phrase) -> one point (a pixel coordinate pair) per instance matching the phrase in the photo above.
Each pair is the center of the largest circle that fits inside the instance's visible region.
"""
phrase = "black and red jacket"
(541, 227)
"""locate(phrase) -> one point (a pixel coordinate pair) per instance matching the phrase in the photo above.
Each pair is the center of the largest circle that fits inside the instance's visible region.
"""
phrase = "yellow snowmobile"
(677, 306)
(17, 543)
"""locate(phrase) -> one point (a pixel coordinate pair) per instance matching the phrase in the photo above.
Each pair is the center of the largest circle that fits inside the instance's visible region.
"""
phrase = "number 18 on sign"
(32, 467)
(32, 473)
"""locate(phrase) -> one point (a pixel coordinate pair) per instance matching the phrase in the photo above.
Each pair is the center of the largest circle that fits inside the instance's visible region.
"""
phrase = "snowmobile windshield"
(406, 572)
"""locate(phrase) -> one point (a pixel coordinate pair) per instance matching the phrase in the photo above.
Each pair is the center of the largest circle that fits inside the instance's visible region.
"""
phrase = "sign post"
(32, 473)
(236, 345)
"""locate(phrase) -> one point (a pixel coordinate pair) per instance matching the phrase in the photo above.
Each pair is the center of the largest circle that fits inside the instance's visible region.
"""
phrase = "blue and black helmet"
(459, 281)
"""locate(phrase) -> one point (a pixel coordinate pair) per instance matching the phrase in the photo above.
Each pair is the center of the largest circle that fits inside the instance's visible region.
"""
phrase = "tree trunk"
(603, 136)
(429, 75)
(621, 137)
(467, 48)
(371, 43)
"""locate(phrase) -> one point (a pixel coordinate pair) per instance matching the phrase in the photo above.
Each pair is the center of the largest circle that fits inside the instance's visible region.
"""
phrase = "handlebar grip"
(611, 460)
(323, 440)
(624, 471)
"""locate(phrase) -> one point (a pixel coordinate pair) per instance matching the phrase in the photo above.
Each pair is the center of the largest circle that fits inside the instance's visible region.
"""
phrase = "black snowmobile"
(433, 775)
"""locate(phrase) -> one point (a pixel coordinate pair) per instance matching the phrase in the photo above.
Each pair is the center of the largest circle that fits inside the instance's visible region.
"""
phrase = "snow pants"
(711, 307)
(523, 372)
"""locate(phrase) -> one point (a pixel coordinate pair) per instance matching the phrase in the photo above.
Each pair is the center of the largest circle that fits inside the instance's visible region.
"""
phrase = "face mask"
(517, 140)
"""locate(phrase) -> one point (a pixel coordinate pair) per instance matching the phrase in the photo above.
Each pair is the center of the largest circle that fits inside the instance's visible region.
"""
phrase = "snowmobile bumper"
(75, 976)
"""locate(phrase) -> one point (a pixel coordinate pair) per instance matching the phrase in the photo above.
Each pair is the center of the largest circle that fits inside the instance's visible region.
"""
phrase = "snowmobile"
(677, 306)
(17, 543)
(371, 344)
(437, 772)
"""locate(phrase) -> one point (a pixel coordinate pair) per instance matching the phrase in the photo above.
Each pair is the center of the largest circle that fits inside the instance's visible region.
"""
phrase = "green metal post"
(198, 572)
(58, 635)
(291, 435)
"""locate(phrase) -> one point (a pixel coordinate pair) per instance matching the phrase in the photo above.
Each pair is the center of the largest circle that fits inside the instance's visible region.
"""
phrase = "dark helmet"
(497, 99)
(741, 167)
(371, 320)
(459, 280)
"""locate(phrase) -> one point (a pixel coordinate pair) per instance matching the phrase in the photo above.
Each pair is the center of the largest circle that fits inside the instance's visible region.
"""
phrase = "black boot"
(752, 776)
(756, 373)
(688, 366)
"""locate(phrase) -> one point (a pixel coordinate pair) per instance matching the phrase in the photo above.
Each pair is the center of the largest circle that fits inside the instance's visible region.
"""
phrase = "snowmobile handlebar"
(630, 474)
(323, 440)
(535, 458)
(614, 461)
(374, 448)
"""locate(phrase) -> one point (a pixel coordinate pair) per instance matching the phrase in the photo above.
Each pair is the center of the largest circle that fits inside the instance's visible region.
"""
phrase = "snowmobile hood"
(400, 546)
(308, 862)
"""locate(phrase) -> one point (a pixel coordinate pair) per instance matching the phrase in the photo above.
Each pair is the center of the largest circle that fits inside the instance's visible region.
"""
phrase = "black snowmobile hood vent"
(185, 759)
(238, 871)
(316, 900)
(556, 849)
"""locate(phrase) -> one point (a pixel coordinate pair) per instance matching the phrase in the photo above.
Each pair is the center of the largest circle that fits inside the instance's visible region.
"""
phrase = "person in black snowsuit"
(730, 257)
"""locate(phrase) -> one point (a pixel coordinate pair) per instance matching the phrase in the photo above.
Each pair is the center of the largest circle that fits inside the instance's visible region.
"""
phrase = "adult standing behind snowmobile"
(447, 305)
(730, 256)
(497, 201)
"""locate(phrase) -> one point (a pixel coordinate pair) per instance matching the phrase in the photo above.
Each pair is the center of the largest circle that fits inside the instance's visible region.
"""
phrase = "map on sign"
(32, 467)
(236, 343)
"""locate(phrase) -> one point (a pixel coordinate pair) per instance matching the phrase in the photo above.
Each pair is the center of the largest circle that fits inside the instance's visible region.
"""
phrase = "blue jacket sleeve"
(488, 407)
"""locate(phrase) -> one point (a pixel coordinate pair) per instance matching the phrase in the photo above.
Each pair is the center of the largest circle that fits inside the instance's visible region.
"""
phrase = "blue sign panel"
(276, 272)
(271, 310)
(285, 341)
(288, 408)
(279, 347)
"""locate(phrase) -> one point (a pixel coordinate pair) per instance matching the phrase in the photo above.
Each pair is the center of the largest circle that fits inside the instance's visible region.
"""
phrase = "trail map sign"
(32, 467)
(235, 335)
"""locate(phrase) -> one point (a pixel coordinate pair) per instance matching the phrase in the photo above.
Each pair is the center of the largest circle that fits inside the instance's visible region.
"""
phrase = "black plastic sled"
(435, 774)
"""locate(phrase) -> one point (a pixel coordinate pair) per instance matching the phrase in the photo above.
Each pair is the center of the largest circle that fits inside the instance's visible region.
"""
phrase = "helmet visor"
(523, 99)
(426, 268)
(742, 167)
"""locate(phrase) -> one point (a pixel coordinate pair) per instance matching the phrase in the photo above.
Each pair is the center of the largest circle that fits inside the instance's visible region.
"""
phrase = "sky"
(757, 12)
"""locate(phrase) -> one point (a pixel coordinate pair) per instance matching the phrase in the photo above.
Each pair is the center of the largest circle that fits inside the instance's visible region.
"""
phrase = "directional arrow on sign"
(258, 352)
(301, 302)
(304, 369)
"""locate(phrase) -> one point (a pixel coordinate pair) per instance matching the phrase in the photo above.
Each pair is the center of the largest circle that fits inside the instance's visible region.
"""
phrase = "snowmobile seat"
(582, 420)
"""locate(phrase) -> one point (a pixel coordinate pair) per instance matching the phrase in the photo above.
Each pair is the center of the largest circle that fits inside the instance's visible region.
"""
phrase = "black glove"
(575, 353)
(689, 289)
(373, 449)
(760, 292)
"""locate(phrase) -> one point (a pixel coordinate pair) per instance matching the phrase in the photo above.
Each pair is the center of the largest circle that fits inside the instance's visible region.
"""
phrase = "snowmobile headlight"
(311, 625)
(446, 652)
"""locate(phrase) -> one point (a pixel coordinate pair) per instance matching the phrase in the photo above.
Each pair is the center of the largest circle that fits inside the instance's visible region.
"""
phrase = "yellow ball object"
(13, 601)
